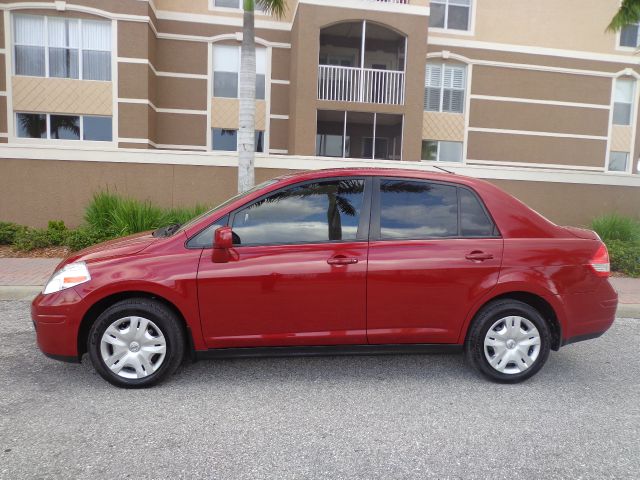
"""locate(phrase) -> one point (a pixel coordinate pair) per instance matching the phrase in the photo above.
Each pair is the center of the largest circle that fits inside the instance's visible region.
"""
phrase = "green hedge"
(107, 216)
(622, 237)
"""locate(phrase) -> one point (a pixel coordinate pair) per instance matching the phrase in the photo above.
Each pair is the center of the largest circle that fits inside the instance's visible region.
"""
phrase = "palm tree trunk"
(247, 114)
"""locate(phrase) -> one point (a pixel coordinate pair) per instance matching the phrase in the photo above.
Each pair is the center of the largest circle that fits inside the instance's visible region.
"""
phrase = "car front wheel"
(136, 343)
(508, 341)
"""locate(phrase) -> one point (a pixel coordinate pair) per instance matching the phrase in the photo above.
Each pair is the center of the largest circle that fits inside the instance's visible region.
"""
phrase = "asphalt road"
(422, 416)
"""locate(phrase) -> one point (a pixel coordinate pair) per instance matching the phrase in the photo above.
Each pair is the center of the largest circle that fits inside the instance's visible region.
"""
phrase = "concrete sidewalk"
(22, 278)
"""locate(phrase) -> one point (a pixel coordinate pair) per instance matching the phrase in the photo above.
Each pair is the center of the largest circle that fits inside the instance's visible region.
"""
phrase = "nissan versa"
(334, 261)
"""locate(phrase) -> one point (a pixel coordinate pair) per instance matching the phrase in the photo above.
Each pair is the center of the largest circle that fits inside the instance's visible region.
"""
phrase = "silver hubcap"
(512, 345)
(133, 347)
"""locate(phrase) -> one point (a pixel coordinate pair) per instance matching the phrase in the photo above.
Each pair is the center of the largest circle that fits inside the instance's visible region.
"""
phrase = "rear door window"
(417, 210)
(474, 221)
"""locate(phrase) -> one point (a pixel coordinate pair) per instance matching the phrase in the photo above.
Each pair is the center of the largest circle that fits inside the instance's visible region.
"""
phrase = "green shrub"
(182, 215)
(8, 232)
(624, 257)
(617, 227)
(98, 214)
(84, 237)
(54, 235)
(132, 216)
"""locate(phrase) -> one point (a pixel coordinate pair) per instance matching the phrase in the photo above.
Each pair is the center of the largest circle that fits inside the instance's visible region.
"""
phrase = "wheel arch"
(535, 300)
(101, 305)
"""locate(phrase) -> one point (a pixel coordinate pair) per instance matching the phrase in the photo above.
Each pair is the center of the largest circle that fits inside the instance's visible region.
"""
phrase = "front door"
(299, 272)
(434, 252)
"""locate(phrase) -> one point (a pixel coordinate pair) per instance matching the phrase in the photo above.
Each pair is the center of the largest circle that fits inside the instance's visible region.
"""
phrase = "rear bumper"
(56, 319)
(589, 315)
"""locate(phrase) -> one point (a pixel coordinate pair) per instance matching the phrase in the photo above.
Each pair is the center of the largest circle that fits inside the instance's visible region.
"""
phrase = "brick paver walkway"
(36, 271)
(26, 271)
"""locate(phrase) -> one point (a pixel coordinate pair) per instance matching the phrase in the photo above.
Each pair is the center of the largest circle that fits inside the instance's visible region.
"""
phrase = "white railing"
(363, 85)
(404, 2)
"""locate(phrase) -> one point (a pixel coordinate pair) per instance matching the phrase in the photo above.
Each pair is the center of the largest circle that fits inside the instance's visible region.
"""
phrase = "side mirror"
(223, 238)
(222, 245)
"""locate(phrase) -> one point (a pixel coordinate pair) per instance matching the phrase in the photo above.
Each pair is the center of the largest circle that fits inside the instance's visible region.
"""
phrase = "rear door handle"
(342, 260)
(478, 256)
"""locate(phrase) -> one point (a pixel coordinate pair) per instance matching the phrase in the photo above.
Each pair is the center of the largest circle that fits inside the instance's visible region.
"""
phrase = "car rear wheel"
(136, 343)
(508, 341)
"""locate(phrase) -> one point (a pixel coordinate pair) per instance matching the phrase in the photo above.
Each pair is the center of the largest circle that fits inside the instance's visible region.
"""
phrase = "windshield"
(224, 204)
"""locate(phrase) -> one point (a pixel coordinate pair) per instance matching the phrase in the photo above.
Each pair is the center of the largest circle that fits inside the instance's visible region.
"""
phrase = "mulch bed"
(51, 252)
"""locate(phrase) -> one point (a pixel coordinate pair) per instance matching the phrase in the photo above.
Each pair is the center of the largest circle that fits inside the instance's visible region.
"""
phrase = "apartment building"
(141, 97)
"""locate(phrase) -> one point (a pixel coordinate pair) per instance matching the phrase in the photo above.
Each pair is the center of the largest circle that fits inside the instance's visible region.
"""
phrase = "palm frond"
(628, 14)
(276, 8)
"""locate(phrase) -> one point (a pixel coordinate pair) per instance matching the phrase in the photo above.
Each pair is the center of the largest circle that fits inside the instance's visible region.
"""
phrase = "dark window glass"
(316, 212)
(64, 127)
(97, 128)
(96, 65)
(414, 210)
(259, 86)
(225, 84)
(474, 221)
(30, 60)
(227, 3)
(205, 238)
(63, 62)
(31, 125)
(458, 17)
(621, 113)
(629, 36)
(429, 150)
(223, 139)
(436, 15)
(259, 141)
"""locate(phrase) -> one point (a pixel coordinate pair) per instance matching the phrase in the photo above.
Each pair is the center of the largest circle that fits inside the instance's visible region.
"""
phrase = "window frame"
(237, 130)
(376, 210)
(362, 234)
(628, 162)
(632, 103)
(46, 46)
(48, 138)
(445, 28)
(443, 66)
(619, 45)
(214, 7)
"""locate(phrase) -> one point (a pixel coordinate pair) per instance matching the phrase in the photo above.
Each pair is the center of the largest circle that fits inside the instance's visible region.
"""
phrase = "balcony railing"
(363, 85)
(404, 2)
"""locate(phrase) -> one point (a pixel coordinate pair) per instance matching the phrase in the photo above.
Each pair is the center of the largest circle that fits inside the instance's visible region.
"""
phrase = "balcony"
(361, 62)
(363, 85)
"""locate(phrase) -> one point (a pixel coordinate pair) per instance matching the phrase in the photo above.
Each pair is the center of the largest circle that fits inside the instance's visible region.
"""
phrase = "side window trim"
(362, 235)
(376, 210)
(188, 244)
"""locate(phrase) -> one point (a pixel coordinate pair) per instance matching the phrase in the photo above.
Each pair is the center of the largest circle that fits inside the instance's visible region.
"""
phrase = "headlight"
(68, 276)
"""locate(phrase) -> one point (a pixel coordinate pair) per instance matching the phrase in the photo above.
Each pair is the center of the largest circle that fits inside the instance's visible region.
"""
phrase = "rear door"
(434, 251)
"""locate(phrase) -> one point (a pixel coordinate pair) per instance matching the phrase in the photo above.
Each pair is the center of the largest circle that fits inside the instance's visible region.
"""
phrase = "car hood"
(113, 248)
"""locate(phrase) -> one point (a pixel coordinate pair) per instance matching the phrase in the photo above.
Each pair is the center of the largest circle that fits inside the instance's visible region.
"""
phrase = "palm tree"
(628, 14)
(247, 117)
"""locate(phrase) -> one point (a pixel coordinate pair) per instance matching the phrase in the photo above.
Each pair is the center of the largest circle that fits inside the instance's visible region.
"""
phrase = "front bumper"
(56, 319)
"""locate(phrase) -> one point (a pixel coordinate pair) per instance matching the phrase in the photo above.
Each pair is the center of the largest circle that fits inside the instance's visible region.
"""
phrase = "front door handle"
(342, 260)
(478, 256)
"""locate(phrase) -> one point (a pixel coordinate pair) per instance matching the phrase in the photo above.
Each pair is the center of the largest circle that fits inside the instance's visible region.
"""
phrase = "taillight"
(600, 262)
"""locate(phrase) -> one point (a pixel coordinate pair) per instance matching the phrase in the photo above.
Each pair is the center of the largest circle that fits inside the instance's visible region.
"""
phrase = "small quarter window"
(474, 221)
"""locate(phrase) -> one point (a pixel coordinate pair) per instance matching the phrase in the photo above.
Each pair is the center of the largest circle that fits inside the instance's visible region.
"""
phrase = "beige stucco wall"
(36, 182)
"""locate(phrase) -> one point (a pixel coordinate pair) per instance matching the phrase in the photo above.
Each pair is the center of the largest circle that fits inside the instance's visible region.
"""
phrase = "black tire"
(165, 320)
(484, 319)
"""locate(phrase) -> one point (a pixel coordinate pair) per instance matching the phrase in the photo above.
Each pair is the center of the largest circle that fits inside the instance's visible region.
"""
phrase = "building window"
(234, 4)
(226, 71)
(226, 140)
(62, 47)
(64, 127)
(359, 135)
(623, 103)
(618, 161)
(629, 36)
(450, 14)
(444, 88)
(441, 151)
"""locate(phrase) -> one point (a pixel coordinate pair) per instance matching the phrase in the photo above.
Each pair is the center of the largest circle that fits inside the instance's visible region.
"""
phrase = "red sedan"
(355, 261)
